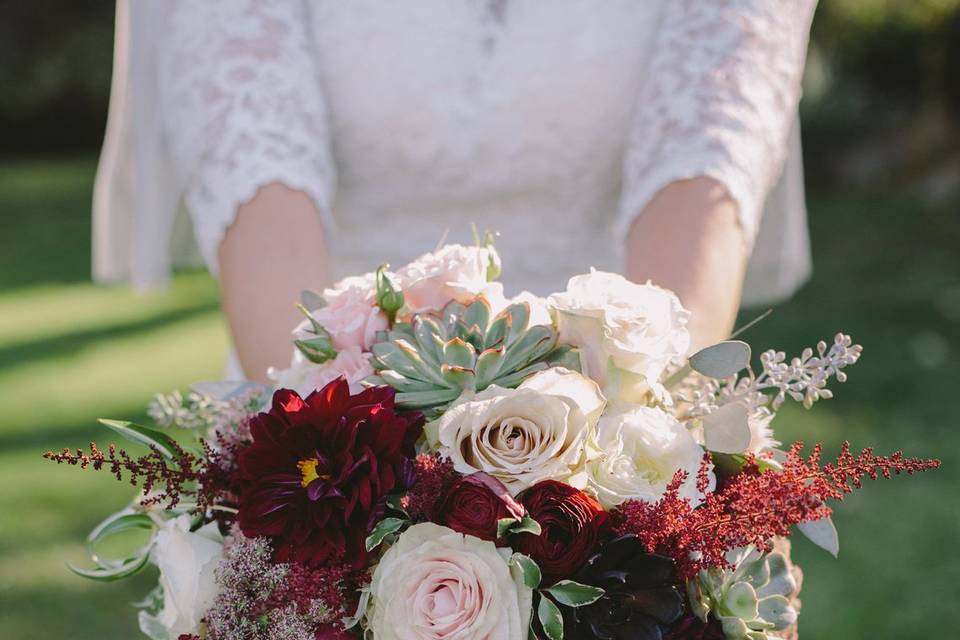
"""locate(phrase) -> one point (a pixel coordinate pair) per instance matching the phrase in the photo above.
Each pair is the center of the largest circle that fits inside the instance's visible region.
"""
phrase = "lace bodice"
(554, 124)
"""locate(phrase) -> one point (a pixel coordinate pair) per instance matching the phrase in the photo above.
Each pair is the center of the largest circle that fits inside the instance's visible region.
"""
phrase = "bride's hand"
(688, 239)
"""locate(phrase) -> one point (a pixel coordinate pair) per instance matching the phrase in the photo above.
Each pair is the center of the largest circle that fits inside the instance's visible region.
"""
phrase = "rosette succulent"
(641, 596)
(752, 600)
(431, 359)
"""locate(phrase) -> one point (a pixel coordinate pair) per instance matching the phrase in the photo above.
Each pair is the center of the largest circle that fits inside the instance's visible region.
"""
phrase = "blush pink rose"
(351, 316)
(454, 272)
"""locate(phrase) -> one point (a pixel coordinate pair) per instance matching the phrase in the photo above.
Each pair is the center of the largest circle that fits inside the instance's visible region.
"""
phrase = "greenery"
(70, 352)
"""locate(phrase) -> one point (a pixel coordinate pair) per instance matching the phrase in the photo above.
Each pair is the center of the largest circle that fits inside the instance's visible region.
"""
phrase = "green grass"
(70, 352)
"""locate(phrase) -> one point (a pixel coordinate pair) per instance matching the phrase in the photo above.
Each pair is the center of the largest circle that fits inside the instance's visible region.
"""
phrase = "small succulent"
(641, 595)
(752, 601)
(431, 359)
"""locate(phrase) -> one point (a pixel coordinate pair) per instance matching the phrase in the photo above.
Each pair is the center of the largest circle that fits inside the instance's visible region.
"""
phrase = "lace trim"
(243, 108)
(722, 90)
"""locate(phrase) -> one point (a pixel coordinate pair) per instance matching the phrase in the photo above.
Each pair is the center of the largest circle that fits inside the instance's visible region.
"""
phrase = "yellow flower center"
(308, 472)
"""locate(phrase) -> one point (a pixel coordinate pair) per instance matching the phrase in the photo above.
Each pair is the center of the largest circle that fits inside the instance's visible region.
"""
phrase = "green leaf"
(503, 526)
(727, 430)
(530, 569)
(575, 594)
(384, 528)
(123, 569)
(549, 616)
(497, 332)
(143, 435)
(721, 360)
(318, 349)
(118, 522)
(527, 525)
(822, 533)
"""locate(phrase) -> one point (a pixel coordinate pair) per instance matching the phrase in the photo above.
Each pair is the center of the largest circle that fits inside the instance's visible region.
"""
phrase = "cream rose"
(437, 584)
(305, 377)
(627, 333)
(643, 447)
(187, 562)
(454, 272)
(541, 430)
(351, 316)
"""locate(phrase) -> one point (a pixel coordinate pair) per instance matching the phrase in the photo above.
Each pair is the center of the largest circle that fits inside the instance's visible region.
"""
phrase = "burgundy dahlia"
(318, 472)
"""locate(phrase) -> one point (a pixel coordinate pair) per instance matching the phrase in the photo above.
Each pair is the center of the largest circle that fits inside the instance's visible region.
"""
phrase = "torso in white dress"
(552, 123)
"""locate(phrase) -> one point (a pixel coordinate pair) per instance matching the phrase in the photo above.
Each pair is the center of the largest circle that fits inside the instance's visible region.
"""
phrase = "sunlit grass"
(71, 352)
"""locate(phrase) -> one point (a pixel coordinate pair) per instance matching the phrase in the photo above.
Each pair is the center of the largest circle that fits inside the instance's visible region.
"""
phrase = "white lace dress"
(553, 123)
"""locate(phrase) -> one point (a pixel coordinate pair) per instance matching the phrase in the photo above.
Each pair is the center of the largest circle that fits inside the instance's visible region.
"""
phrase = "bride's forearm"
(274, 250)
(688, 239)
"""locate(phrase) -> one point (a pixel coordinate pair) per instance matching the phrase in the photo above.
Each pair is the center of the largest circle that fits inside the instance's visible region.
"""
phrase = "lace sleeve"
(720, 97)
(242, 107)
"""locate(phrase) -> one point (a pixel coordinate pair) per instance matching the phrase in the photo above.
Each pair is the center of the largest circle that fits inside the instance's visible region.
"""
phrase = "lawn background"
(887, 271)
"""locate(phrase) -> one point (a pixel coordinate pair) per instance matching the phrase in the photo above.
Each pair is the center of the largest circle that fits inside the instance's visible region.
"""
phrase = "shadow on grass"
(69, 343)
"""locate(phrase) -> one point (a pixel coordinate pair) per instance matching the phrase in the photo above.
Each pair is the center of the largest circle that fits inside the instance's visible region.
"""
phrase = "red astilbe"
(176, 475)
(753, 507)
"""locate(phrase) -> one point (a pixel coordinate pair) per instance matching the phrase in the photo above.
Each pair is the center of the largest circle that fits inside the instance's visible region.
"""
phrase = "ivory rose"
(643, 447)
(187, 562)
(541, 430)
(455, 272)
(627, 333)
(437, 584)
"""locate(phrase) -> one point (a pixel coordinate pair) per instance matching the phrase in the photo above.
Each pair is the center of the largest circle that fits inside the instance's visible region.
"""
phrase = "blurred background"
(881, 129)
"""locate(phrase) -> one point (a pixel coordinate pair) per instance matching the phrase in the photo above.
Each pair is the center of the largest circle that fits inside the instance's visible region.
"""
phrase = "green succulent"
(431, 359)
(752, 601)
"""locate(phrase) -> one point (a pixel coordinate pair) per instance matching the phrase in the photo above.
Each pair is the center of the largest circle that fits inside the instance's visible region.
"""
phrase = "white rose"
(454, 272)
(627, 333)
(351, 316)
(643, 447)
(541, 430)
(187, 562)
(435, 583)
(305, 377)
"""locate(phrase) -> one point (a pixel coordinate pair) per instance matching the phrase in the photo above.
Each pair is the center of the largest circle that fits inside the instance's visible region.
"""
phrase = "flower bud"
(389, 296)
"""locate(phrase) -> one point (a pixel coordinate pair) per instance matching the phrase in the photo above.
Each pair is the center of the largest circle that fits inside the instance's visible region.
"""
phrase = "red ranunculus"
(318, 472)
(571, 523)
(476, 503)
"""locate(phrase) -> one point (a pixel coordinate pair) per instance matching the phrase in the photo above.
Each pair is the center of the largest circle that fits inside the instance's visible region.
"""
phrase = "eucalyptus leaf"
(550, 618)
(575, 594)
(311, 300)
(822, 533)
(727, 430)
(143, 435)
(721, 360)
(530, 569)
(384, 528)
(527, 525)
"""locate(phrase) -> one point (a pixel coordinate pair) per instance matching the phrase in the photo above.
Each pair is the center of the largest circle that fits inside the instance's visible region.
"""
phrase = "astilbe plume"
(176, 475)
(753, 507)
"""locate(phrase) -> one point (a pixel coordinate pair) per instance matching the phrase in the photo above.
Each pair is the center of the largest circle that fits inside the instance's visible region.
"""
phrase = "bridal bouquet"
(442, 462)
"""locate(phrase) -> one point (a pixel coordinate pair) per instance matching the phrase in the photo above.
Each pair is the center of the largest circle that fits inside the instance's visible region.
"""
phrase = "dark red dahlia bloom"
(318, 472)
(572, 524)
